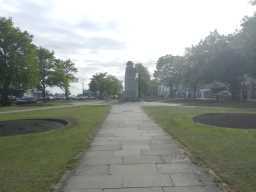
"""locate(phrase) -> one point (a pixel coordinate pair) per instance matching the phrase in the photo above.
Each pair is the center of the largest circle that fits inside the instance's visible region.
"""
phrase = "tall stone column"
(131, 82)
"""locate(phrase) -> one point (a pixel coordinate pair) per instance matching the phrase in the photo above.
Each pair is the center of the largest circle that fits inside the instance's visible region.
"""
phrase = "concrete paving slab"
(102, 160)
(134, 169)
(175, 168)
(132, 154)
(134, 190)
(159, 151)
(147, 181)
(93, 170)
(176, 157)
(186, 179)
(111, 147)
(185, 189)
(94, 182)
(84, 190)
(144, 159)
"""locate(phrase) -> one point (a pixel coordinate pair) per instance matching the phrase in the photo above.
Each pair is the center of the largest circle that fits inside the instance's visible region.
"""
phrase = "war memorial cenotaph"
(131, 82)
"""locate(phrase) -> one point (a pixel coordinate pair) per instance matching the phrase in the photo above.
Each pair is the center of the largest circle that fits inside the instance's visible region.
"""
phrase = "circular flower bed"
(25, 126)
(229, 120)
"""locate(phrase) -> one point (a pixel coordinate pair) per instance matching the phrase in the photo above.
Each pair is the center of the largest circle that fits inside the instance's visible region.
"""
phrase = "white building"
(163, 91)
(249, 89)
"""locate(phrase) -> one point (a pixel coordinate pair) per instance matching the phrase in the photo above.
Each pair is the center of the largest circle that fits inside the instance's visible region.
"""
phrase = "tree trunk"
(44, 91)
(4, 96)
(171, 90)
(5, 91)
(66, 93)
(194, 91)
(5, 99)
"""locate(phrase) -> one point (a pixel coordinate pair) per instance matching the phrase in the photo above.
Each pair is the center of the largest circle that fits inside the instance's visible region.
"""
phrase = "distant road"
(75, 104)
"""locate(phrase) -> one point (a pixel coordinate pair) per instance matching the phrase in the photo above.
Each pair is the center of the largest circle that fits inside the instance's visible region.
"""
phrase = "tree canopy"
(23, 65)
(46, 61)
(18, 59)
(143, 79)
(169, 70)
(104, 85)
(223, 58)
(63, 75)
(216, 58)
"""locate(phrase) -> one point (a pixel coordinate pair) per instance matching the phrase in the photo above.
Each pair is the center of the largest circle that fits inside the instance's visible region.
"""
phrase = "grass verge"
(231, 153)
(35, 162)
(15, 107)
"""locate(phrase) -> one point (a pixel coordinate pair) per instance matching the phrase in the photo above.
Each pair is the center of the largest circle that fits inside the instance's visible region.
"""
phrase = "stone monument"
(131, 82)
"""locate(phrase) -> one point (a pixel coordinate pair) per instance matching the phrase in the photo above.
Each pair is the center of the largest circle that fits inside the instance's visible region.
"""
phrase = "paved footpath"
(130, 153)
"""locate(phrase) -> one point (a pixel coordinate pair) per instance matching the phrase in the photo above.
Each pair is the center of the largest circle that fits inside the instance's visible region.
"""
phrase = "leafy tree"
(97, 84)
(169, 70)
(246, 43)
(153, 87)
(215, 59)
(226, 64)
(63, 75)
(143, 79)
(18, 61)
(199, 61)
(253, 2)
(105, 85)
(46, 63)
(113, 86)
(229, 69)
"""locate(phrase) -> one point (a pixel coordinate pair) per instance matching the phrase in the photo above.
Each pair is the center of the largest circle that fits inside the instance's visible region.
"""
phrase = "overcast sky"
(101, 35)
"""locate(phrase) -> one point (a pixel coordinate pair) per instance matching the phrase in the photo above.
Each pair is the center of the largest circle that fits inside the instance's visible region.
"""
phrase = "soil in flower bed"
(229, 120)
(25, 126)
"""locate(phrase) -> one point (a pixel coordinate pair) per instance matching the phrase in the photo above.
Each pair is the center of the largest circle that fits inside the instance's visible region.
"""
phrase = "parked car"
(25, 100)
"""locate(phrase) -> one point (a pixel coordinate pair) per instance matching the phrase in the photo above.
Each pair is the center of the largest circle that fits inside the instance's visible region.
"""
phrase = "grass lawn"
(34, 105)
(35, 162)
(213, 103)
(231, 153)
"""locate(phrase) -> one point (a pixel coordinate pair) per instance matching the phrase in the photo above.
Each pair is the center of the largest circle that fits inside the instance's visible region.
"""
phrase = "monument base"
(129, 99)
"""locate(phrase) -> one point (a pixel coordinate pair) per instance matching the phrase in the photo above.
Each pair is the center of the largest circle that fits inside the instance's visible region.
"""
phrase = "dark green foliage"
(104, 85)
(46, 63)
(170, 70)
(63, 75)
(23, 65)
(218, 57)
(18, 61)
(143, 80)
